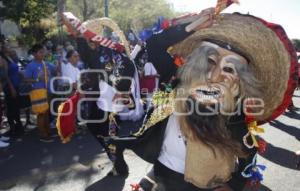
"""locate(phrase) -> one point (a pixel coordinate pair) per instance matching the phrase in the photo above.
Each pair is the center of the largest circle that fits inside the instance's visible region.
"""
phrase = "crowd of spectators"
(19, 76)
(54, 67)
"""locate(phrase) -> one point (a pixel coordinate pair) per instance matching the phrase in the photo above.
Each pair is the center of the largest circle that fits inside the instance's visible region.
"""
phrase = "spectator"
(49, 45)
(70, 70)
(68, 46)
(149, 77)
(59, 53)
(11, 91)
(114, 37)
(81, 65)
(131, 38)
(150, 74)
(49, 57)
(35, 74)
(3, 76)
(30, 56)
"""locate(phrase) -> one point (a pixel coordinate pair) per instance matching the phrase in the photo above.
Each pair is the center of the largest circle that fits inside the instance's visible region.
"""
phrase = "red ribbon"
(74, 24)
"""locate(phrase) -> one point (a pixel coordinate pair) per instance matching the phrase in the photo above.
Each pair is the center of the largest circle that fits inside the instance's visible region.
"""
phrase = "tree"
(32, 16)
(123, 12)
(147, 11)
(85, 9)
(27, 12)
(37, 19)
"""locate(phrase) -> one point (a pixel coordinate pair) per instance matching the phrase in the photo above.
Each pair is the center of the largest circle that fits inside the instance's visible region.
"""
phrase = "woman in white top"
(150, 71)
(70, 71)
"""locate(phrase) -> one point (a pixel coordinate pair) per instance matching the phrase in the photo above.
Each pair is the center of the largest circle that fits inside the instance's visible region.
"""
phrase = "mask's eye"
(212, 61)
(228, 69)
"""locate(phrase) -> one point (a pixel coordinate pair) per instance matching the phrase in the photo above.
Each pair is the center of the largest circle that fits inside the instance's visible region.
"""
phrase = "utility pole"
(106, 8)
(60, 10)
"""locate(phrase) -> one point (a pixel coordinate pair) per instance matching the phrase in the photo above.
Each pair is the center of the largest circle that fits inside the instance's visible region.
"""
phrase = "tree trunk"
(85, 10)
(60, 10)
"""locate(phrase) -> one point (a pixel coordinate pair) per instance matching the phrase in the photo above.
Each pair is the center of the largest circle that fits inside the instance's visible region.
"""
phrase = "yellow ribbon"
(254, 129)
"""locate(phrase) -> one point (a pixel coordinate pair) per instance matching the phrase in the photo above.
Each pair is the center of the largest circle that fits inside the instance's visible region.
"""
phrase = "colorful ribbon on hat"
(156, 28)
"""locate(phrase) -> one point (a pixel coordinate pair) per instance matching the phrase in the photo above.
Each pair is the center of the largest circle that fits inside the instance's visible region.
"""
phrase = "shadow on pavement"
(293, 114)
(280, 156)
(29, 156)
(291, 130)
(108, 183)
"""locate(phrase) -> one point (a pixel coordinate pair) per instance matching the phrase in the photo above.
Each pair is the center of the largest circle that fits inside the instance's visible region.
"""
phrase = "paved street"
(81, 165)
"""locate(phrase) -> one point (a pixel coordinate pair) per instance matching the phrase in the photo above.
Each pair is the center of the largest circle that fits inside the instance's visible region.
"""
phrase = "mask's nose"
(215, 75)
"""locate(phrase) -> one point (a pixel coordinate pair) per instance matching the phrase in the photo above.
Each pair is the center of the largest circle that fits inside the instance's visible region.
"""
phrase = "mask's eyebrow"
(241, 69)
(233, 60)
(211, 51)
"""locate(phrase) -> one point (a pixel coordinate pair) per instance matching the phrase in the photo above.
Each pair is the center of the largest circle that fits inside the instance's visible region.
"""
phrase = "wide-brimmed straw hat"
(265, 45)
(97, 26)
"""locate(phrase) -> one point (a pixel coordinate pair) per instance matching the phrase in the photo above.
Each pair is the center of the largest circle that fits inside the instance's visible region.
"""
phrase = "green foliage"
(147, 11)
(28, 12)
(122, 11)
(37, 18)
(85, 9)
(34, 17)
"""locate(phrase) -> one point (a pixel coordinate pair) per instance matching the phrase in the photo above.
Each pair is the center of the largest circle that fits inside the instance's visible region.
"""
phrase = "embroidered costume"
(236, 74)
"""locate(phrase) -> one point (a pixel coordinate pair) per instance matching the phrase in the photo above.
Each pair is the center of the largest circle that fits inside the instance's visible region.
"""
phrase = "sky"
(283, 12)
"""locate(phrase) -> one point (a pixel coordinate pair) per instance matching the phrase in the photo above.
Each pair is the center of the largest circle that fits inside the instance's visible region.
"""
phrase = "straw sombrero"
(97, 26)
(265, 45)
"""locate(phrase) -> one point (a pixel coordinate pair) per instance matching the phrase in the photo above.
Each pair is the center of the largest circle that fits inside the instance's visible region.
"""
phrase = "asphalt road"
(81, 165)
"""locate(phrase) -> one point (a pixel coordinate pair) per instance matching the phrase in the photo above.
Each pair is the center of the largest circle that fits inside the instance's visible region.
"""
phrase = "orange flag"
(66, 119)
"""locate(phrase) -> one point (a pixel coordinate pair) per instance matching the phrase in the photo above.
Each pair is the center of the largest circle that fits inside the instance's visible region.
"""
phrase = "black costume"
(157, 46)
(100, 58)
